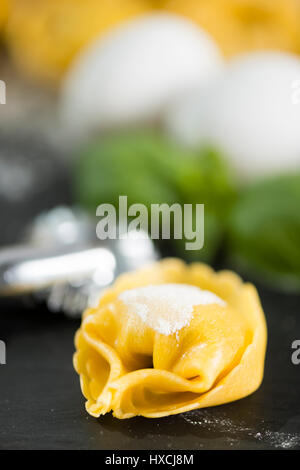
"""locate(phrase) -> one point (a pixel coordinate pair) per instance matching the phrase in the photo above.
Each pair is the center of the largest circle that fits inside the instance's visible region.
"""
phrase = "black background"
(41, 406)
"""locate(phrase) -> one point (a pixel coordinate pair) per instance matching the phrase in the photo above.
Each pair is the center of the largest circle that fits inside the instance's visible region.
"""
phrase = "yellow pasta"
(44, 36)
(171, 338)
(245, 25)
(4, 9)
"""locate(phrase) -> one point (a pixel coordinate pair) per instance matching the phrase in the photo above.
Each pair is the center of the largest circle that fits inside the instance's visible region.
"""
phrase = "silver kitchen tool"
(62, 262)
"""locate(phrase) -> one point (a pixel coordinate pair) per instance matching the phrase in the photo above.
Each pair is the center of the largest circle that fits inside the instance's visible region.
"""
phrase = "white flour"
(224, 425)
(167, 308)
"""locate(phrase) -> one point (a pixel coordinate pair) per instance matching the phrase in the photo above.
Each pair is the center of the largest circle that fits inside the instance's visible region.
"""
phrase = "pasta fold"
(129, 368)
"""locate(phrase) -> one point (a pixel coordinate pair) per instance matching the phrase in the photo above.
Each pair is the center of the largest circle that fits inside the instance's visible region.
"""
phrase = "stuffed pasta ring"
(171, 338)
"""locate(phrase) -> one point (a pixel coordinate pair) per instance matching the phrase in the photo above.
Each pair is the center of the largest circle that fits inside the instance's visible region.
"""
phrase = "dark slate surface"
(41, 406)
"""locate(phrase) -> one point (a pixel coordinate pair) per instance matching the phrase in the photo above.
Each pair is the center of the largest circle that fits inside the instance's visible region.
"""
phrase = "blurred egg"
(251, 113)
(130, 75)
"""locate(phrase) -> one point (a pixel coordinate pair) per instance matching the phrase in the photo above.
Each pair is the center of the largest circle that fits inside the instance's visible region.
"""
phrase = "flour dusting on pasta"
(167, 308)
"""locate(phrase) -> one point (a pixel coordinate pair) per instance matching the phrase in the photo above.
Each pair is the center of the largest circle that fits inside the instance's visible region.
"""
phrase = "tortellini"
(171, 338)
(239, 26)
(45, 36)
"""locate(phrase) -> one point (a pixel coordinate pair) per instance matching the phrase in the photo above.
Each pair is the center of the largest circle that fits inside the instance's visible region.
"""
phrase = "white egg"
(251, 112)
(129, 75)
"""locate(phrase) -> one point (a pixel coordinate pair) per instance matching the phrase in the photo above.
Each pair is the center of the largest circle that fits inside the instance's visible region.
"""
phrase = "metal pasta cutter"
(62, 262)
